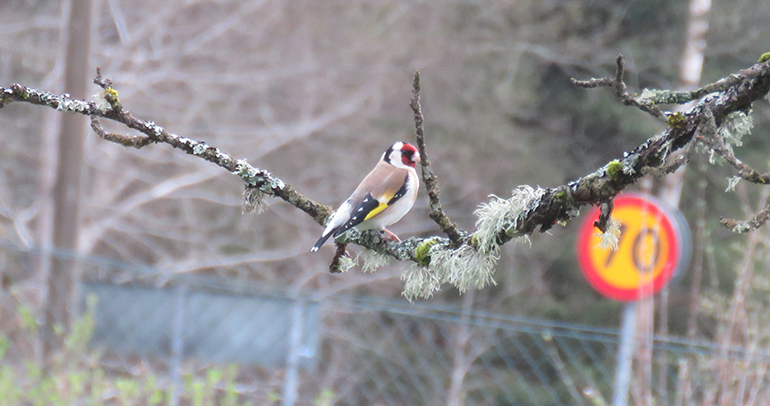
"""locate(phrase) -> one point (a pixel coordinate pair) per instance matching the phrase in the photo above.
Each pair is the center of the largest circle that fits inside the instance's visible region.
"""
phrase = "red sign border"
(587, 230)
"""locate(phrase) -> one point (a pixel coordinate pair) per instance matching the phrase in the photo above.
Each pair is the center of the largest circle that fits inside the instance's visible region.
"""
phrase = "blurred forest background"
(314, 91)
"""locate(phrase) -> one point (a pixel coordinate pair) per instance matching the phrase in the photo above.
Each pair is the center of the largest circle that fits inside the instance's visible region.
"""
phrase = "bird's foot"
(390, 236)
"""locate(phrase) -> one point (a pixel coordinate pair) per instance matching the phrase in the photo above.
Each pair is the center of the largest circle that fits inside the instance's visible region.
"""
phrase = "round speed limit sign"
(652, 245)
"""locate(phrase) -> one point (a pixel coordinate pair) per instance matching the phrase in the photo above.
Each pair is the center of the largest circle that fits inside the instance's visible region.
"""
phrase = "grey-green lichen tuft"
(732, 182)
(629, 163)
(611, 238)
(253, 201)
(502, 216)
(246, 172)
(372, 260)
(199, 148)
(101, 102)
(736, 125)
(464, 268)
(419, 282)
(64, 103)
(346, 263)
(158, 131)
(255, 177)
(662, 96)
(741, 227)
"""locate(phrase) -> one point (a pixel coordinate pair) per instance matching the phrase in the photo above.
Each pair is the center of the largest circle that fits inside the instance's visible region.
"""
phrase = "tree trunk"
(61, 301)
(690, 70)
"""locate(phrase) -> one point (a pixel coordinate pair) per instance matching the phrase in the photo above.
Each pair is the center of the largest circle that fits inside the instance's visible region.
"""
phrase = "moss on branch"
(436, 259)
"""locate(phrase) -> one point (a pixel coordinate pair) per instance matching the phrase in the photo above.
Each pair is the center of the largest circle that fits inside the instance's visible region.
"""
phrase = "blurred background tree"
(314, 91)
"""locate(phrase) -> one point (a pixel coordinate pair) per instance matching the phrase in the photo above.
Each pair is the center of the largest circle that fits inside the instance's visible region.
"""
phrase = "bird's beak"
(416, 157)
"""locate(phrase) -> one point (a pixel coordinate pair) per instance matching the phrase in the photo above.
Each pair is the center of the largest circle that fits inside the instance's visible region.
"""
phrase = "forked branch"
(500, 220)
(428, 177)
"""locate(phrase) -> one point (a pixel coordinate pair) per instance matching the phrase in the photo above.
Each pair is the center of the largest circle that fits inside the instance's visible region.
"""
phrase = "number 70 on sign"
(653, 244)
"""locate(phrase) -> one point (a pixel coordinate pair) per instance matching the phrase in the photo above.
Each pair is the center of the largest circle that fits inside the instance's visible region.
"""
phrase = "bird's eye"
(406, 158)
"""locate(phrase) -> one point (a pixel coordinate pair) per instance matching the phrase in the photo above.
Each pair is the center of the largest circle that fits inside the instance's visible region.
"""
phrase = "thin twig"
(251, 176)
(341, 252)
(619, 86)
(547, 207)
(710, 137)
(135, 141)
(428, 177)
(745, 226)
(605, 213)
(673, 165)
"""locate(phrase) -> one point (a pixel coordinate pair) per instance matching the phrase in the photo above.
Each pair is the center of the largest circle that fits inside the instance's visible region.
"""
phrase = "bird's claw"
(390, 236)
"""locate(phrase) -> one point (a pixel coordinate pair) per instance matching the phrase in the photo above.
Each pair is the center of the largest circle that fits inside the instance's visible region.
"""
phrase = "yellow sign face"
(647, 255)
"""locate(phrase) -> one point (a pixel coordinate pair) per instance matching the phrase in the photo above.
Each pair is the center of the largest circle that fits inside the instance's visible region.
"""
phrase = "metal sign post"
(625, 355)
(654, 244)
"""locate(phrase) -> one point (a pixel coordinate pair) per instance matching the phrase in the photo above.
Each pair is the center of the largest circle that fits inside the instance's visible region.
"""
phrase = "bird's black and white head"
(402, 155)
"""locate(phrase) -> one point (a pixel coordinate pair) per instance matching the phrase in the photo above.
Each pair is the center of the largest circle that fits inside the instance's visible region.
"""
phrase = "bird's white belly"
(389, 216)
(395, 212)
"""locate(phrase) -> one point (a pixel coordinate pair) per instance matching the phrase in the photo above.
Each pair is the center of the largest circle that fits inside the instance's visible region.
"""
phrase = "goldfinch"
(385, 195)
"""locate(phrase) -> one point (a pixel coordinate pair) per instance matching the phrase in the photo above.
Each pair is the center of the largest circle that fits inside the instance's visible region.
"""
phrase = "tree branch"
(110, 107)
(619, 86)
(428, 177)
(341, 256)
(748, 225)
(709, 135)
(446, 260)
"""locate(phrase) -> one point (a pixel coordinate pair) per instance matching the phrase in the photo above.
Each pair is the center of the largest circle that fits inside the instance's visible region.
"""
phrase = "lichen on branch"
(467, 259)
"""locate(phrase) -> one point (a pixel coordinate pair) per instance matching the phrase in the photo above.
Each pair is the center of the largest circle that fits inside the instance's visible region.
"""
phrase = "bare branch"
(748, 225)
(251, 176)
(619, 86)
(428, 177)
(673, 165)
(528, 208)
(136, 141)
(709, 136)
(605, 211)
(341, 255)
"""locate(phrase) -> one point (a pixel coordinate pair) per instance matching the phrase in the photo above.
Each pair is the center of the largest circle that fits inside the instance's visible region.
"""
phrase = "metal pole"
(625, 355)
(291, 381)
(177, 344)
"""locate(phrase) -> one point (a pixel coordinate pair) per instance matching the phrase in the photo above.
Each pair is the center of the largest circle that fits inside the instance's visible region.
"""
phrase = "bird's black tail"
(321, 241)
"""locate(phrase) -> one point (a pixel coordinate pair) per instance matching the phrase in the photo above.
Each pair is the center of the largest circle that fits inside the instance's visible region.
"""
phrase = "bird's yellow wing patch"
(375, 211)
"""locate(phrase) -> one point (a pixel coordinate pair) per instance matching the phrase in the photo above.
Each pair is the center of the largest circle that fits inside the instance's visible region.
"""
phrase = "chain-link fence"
(299, 348)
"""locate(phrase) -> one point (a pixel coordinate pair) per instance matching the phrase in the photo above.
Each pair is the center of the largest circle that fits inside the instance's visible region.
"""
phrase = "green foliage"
(231, 395)
(128, 390)
(273, 397)
(325, 398)
(27, 317)
(75, 375)
(4, 344)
